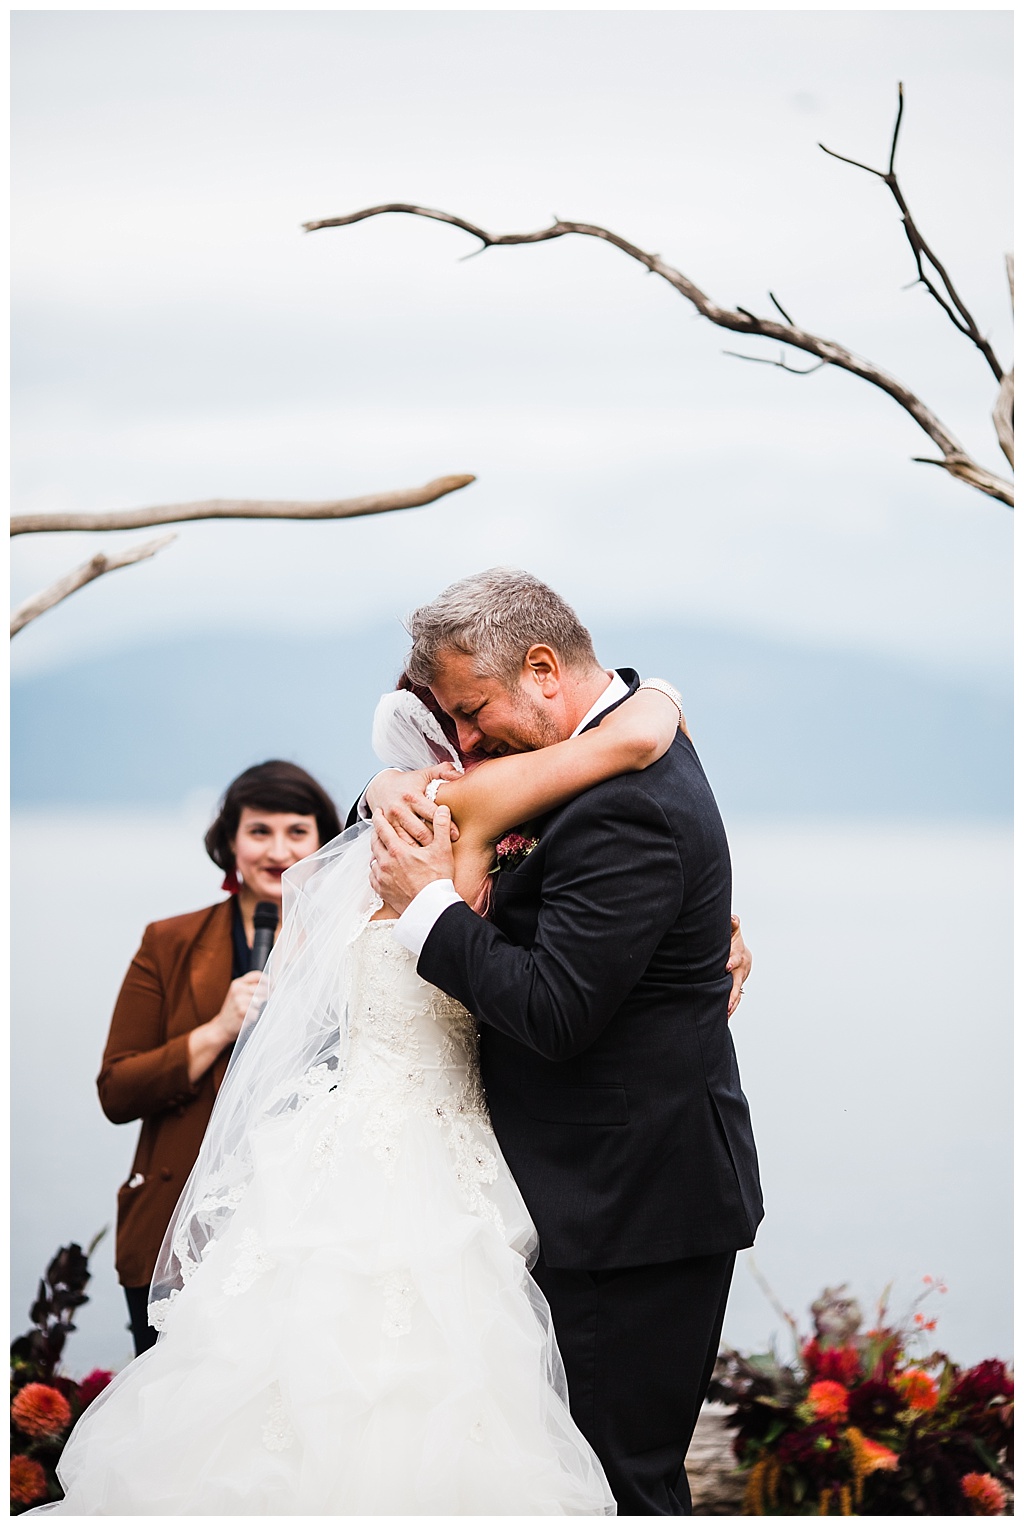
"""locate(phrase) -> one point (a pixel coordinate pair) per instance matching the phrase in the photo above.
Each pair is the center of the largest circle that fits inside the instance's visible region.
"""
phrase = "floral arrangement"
(865, 1422)
(513, 848)
(44, 1403)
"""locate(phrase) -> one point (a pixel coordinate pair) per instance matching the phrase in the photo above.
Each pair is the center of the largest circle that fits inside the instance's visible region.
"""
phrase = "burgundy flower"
(874, 1405)
(808, 1446)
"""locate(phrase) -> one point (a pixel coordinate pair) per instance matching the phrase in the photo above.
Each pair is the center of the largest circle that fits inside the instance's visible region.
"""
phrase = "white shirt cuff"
(417, 920)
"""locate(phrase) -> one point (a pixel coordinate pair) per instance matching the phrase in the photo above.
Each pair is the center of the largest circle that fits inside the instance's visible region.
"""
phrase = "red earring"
(230, 883)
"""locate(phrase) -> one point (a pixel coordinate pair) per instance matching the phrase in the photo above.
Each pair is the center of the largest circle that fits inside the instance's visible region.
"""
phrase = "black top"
(240, 950)
(600, 985)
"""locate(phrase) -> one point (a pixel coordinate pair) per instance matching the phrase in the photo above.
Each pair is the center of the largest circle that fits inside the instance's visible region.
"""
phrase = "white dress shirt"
(417, 920)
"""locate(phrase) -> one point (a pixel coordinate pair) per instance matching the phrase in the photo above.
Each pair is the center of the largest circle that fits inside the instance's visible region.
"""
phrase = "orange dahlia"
(829, 1400)
(28, 1481)
(984, 1494)
(40, 1410)
(919, 1389)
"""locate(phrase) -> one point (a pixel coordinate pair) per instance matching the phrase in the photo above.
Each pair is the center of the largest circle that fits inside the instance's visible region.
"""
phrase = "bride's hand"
(401, 797)
(399, 870)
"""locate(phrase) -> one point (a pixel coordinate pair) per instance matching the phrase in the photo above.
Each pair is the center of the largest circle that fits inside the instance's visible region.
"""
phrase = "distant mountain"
(782, 729)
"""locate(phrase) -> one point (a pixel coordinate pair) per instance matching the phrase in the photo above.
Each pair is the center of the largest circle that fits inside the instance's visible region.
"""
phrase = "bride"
(348, 1323)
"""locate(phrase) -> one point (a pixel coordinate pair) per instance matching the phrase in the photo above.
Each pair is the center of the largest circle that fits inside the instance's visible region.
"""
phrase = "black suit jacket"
(599, 982)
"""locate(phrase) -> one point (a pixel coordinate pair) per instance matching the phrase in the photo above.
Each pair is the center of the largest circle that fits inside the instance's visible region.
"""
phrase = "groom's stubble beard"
(532, 726)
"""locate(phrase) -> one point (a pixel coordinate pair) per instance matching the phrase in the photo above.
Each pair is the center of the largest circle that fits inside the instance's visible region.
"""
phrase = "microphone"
(265, 925)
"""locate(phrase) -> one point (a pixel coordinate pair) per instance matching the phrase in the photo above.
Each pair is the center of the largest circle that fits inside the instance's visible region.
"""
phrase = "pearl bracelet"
(662, 687)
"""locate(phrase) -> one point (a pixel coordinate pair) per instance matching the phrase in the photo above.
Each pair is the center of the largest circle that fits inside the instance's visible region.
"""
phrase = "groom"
(599, 981)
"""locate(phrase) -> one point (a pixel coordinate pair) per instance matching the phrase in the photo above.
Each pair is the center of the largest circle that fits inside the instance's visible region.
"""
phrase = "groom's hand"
(400, 795)
(740, 962)
(399, 870)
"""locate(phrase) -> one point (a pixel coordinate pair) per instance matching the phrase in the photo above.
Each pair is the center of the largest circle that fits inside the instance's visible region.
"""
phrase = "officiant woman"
(182, 1004)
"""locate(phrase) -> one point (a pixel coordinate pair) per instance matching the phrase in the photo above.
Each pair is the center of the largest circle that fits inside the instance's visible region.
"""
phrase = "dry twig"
(954, 459)
(241, 508)
(94, 568)
(1002, 414)
(951, 303)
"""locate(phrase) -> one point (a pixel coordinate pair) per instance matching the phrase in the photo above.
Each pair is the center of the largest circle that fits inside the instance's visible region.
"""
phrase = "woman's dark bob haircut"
(274, 786)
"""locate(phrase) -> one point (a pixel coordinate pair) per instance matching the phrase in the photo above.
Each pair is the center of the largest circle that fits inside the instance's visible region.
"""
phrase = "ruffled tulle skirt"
(364, 1339)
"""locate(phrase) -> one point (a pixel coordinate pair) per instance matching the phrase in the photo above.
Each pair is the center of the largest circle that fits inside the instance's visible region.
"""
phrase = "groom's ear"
(542, 668)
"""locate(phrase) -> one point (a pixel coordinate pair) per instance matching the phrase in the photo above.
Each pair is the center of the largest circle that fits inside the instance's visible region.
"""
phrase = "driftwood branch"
(70, 583)
(954, 459)
(241, 508)
(1002, 415)
(951, 303)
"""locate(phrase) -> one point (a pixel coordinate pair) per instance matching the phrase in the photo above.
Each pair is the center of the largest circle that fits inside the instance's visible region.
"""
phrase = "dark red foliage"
(989, 1380)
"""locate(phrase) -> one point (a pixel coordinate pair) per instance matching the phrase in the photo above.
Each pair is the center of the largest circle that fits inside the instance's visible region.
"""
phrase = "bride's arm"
(503, 792)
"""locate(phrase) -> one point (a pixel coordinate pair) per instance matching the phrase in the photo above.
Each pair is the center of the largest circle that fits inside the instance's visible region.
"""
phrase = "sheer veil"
(293, 1041)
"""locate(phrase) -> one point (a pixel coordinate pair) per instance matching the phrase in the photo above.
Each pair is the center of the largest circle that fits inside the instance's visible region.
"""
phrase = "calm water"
(875, 1047)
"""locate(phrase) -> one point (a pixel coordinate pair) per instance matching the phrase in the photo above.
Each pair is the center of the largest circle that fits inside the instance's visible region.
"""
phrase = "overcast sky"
(178, 337)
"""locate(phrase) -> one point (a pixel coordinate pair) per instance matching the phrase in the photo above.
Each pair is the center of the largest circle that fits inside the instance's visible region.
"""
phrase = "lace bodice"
(393, 1014)
(412, 1051)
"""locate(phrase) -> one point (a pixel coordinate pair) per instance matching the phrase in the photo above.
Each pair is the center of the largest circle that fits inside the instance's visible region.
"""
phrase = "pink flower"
(513, 848)
(984, 1494)
(92, 1384)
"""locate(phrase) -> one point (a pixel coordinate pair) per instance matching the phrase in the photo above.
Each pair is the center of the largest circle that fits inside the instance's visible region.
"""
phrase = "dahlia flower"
(28, 1481)
(919, 1389)
(984, 1494)
(40, 1410)
(829, 1400)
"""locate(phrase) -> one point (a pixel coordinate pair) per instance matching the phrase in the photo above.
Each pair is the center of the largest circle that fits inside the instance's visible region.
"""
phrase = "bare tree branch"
(241, 508)
(955, 459)
(1002, 414)
(781, 364)
(922, 252)
(94, 568)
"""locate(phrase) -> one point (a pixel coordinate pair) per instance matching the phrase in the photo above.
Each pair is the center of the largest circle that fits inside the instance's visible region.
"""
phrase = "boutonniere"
(513, 849)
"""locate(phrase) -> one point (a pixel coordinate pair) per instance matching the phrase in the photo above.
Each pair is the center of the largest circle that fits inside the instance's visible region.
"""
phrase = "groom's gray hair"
(496, 616)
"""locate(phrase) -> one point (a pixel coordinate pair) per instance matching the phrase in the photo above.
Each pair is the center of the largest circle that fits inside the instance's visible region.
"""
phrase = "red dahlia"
(28, 1481)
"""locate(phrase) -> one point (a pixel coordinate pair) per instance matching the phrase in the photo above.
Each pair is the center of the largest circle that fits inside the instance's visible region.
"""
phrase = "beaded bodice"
(412, 1051)
(395, 1015)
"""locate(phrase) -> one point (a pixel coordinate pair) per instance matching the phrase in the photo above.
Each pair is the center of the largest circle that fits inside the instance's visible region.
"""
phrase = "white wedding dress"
(363, 1337)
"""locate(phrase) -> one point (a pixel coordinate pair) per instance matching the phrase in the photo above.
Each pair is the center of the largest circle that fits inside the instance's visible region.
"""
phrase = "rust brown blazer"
(177, 980)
